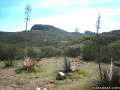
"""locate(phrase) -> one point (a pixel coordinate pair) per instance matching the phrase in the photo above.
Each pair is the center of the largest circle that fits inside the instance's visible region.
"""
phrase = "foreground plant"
(28, 66)
(61, 75)
(105, 81)
(67, 68)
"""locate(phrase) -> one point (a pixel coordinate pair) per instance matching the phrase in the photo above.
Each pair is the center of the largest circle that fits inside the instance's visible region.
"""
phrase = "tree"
(88, 51)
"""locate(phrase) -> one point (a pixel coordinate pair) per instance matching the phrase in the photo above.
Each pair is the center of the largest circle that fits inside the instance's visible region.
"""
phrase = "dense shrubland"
(12, 45)
(45, 44)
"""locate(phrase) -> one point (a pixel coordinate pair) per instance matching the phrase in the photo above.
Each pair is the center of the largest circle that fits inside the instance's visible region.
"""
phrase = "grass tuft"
(81, 73)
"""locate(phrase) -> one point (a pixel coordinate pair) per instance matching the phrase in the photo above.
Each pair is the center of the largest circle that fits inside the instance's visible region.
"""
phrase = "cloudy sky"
(65, 14)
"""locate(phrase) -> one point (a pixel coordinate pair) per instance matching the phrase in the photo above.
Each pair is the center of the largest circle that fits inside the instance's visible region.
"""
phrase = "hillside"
(39, 35)
(56, 42)
(110, 37)
(44, 35)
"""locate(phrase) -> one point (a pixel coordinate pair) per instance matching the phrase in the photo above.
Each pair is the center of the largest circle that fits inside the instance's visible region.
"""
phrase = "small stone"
(38, 88)
(45, 89)
(51, 81)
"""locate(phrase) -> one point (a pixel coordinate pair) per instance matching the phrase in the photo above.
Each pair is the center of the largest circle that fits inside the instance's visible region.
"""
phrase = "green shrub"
(7, 54)
(8, 63)
(72, 51)
(88, 52)
(50, 52)
(81, 73)
(114, 50)
(20, 53)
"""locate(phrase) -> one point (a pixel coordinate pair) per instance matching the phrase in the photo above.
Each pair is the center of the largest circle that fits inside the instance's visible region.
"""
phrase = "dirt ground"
(44, 77)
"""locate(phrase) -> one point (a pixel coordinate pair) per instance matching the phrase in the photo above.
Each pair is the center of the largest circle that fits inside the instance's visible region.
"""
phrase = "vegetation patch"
(39, 72)
(104, 80)
(79, 74)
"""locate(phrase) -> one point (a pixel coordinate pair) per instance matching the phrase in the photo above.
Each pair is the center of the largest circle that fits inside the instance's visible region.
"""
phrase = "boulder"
(61, 76)
(19, 70)
(116, 63)
(52, 82)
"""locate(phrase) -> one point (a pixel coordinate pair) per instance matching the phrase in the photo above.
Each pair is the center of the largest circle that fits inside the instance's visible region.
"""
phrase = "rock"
(73, 68)
(45, 89)
(38, 59)
(52, 82)
(61, 76)
(19, 70)
(38, 88)
(116, 63)
(61, 73)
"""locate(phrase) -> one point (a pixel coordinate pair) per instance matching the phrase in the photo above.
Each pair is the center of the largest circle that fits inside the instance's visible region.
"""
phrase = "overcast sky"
(65, 14)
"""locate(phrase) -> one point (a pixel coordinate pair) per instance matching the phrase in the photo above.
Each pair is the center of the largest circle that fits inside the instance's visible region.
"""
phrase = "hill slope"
(45, 35)
(39, 35)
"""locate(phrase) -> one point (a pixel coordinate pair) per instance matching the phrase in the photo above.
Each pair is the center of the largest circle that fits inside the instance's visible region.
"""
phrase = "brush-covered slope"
(39, 35)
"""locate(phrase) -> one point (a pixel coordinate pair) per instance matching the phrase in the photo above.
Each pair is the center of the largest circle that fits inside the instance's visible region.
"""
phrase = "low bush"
(72, 51)
(50, 52)
(8, 63)
(81, 73)
(88, 52)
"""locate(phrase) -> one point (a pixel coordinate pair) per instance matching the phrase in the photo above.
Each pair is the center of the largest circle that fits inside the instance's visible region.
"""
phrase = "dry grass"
(45, 72)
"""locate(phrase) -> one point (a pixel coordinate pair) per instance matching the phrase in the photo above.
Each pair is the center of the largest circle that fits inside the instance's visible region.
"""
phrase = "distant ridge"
(44, 27)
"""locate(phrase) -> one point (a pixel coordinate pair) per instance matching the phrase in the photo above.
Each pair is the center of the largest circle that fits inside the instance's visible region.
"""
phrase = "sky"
(65, 14)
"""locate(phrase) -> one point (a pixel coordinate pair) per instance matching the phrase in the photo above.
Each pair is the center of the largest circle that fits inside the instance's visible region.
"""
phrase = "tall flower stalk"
(27, 19)
(98, 43)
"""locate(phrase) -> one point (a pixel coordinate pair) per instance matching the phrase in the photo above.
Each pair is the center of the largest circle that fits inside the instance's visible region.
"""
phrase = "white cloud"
(58, 3)
(65, 15)
(69, 3)
(84, 19)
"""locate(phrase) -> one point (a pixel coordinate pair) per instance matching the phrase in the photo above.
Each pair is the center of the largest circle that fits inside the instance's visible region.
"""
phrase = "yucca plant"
(28, 64)
(67, 68)
(105, 81)
(8, 63)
